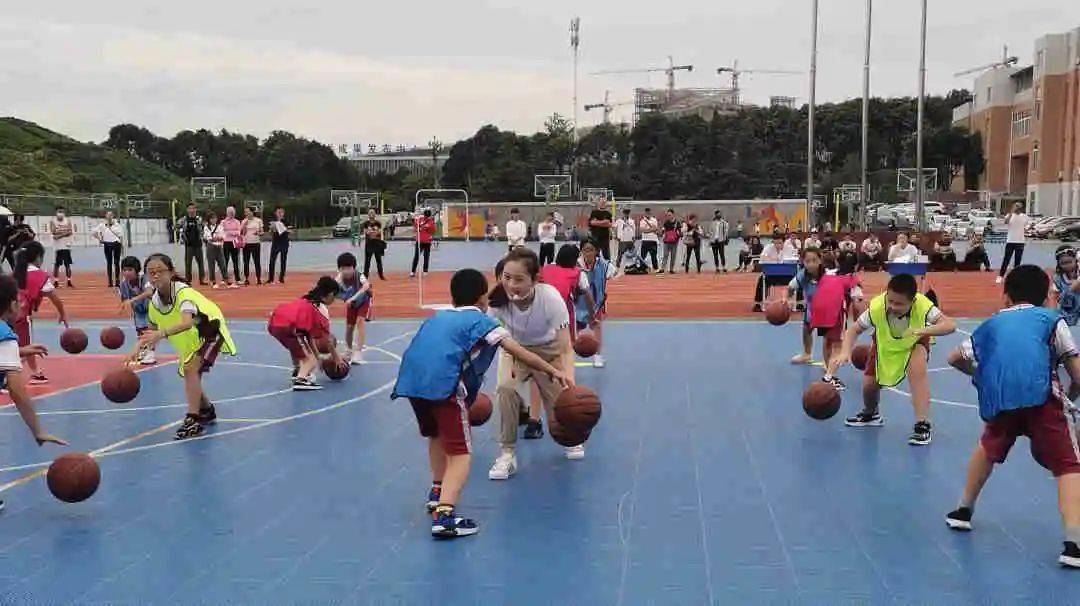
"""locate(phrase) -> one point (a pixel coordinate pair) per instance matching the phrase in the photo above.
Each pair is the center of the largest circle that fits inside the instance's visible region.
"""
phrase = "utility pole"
(575, 41)
(810, 115)
(920, 185)
(436, 147)
(864, 193)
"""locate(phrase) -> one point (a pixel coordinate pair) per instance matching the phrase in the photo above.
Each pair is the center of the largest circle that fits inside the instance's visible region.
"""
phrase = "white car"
(981, 218)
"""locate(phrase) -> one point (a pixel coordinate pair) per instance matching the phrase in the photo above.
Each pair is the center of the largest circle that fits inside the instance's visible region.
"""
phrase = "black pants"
(692, 249)
(1011, 249)
(194, 252)
(374, 249)
(425, 248)
(253, 252)
(977, 258)
(718, 255)
(275, 250)
(648, 249)
(547, 253)
(232, 254)
(605, 248)
(63, 257)
(112, 261)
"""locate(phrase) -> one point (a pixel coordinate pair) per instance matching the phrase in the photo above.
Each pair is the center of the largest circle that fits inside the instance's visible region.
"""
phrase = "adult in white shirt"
(1017, 223)
(812, 241)
(903, 251)
(650, 237)
(791, 251)
(62, 230)
(718, 238)
(773, 253)
(625, 232)
(516, 230)
(111, 236)
(547, 232)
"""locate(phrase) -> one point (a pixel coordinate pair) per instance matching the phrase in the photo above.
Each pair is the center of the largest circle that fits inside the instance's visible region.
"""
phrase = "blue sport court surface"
(704, 484)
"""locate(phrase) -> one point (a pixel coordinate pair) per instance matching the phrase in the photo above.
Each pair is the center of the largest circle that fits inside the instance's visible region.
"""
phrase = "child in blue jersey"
(356, 293)
(1013, 359)
(1067, 284)
(135, 293)
(598, 271)
(12, 377)
(805, 282)
(441, 373)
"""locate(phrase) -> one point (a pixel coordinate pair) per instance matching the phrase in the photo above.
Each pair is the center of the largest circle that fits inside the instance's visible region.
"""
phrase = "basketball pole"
(920, 184)
(810, 114)
(864, 194)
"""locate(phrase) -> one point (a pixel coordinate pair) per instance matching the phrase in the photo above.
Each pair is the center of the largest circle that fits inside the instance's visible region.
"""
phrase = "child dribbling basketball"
(441, 373)
(355, 291)
(196, 328)
(34, 286)
(297, 324)
(135, 293)
(599, 271)
(1013, 359)
(904, 322)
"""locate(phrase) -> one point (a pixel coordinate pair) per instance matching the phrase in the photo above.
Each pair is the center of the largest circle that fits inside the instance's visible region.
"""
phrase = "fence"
(144, 221)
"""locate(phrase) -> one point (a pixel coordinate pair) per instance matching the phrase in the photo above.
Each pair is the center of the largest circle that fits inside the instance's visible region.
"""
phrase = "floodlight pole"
(920, 185)
(575, 40)
(810, 115)
(864, 193)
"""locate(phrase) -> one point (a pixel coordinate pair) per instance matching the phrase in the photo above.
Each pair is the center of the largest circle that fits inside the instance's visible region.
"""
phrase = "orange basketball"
(120, 385)
(73, 477)
(564, 436)
(821, 400)
(325, 344)
(335, 372)
(578, 409)
(860, 355)
(480, 411)
(586, 344)
(73, 340)
(112, 337)
(777, 313)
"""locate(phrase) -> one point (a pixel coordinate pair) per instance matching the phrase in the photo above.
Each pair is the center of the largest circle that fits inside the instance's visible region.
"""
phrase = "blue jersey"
(449, 349)
(1068, 300)
(140, 310)
(1013, 359)
(349, 288)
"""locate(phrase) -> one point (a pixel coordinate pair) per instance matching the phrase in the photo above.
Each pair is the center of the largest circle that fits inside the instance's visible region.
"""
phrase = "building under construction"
(682, 102)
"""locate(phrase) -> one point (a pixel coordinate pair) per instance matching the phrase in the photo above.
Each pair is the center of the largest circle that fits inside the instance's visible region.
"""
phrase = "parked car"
(1047, 229)
(344, 227)
(1032, 230)
(1067, 230)
(981, 218)
(960, 228)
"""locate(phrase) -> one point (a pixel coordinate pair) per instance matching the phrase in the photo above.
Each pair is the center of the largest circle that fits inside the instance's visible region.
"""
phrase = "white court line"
(945, 402)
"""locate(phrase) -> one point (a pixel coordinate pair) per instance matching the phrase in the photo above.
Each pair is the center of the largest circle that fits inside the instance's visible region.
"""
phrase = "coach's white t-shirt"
(1017, 225)
(537, 324)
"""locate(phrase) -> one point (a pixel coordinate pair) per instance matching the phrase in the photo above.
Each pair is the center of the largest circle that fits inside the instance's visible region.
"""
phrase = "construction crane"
(669, 70)
(1006, 61)
(607, 106)
(735, 72)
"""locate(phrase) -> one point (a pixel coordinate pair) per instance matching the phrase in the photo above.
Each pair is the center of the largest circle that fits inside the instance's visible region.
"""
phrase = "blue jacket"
(1013, 353)
(348, 289)
(598, 289)
(1068, 301)
(449, 348)
(140, 310)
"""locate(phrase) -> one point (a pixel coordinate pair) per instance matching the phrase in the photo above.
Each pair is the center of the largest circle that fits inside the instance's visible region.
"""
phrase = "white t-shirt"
(772, 254)
(899, 324)
(516, 232)
(547, 232)
(906, 254)
(1064, 346)
(646, 224)
(109, 234)
(187, 306)
(1017, 225)
(537, 324)
(62, 231)
(624, 230)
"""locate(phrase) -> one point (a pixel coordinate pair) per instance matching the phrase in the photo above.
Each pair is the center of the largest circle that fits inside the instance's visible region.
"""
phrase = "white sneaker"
(233, 285)
(216, 286)
(598, 361)
(575, 453)
(148, 358)
(503, 467)
(997, 280)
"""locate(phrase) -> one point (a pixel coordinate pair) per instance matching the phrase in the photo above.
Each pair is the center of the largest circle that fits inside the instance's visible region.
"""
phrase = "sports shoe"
(148, 358)
(757, 307)
(920, 434)
(1070, 556)
(598, 361)
(305, 384)
(208, 415)
(39, 379)
(534, 430)
(505, 465)
(449, 525)
(865, 419)
(835, 382)
(959, 519)
(997, 280)
(295, 371)
(433, 497)
(189, 428)
(216, 286)
(575, 453)
(523, 417)
(233, 285)
(803, 358)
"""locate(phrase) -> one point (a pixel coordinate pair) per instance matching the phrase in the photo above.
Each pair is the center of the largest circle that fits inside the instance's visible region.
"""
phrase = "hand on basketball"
(839, 359)
(562, 378)
(43, 438)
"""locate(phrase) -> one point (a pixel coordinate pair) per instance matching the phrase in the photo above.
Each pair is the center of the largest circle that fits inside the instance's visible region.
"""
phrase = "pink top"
(832, 292)
(231, 229)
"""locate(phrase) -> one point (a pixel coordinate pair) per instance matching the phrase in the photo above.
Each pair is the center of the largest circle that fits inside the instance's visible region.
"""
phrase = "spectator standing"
(62, 230)
(600, 227)
(650, 237)
(547, 232)
(279, 245)
(214, 241)
(251, 230)
(719, 240)
(625, 233)
(374, 244)
(692, 235)
(672, 232)
(111, 236)
(516, 230)
(20, 234)
(190, 229)
(1017, 223)
(425, 235)
(233, 242)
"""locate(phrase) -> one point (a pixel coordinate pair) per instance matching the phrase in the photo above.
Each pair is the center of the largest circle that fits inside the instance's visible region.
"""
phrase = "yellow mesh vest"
(188, 342)
(894, 352)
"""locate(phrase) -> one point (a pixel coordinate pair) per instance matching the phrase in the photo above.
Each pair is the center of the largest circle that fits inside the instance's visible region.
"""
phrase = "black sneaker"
(835, 382)
(523, 417)
(534, 430)
(960, 519)
(865, 419)
(189, 428)
(295, 371)
(305, 384)
(449, 525)
(757, 307)
(920, 434)
(1070, 556)
(208, 415)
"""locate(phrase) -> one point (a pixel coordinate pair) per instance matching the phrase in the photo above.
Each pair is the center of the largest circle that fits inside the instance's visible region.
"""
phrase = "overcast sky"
(403, 72)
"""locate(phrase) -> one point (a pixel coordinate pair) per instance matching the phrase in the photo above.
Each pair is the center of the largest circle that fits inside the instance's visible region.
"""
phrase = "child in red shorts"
(441, 373)
(356, 293)
(1013, 359)
(296, 324)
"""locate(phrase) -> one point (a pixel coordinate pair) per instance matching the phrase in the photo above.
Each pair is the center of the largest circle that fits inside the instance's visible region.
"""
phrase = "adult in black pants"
(20, 234)
(425, 233)
(111, 236)
(374, 244)
(190, 229)
(600, 228)
(650, 237)
(279, 245)
(251, 229)
(1017, 223)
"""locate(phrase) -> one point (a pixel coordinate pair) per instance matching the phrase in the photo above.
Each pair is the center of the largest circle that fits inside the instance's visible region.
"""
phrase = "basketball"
(325, 344)
(120, 385)
(860, 356)
(480, 411)
(73, 477)
(73, 340)
(564, 436)
(586, 344)
(821, 400)
(578, 409)
(112, 337)
(335, 372)
(777, 313)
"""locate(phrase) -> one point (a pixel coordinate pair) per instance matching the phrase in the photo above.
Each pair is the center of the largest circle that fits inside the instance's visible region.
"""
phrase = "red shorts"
(871, 365)
(299, 345)
(209, 351)
(447, 420)
(352, 314)
(1051, 429)
(22, 330)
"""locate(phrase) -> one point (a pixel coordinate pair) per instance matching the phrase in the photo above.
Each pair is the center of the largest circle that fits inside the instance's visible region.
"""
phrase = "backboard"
(137, 202)
(552, 187)
(209, 189)
(850, 193)
(257, 204)
(908, 178)
(104, 201)
(595, 195)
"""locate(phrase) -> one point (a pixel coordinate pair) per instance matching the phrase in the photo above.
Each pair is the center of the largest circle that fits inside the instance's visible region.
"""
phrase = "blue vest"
(1068, 301)
(449, 348)
(348, 289)
(1012, 354)
(597, 287)
(809, 288)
